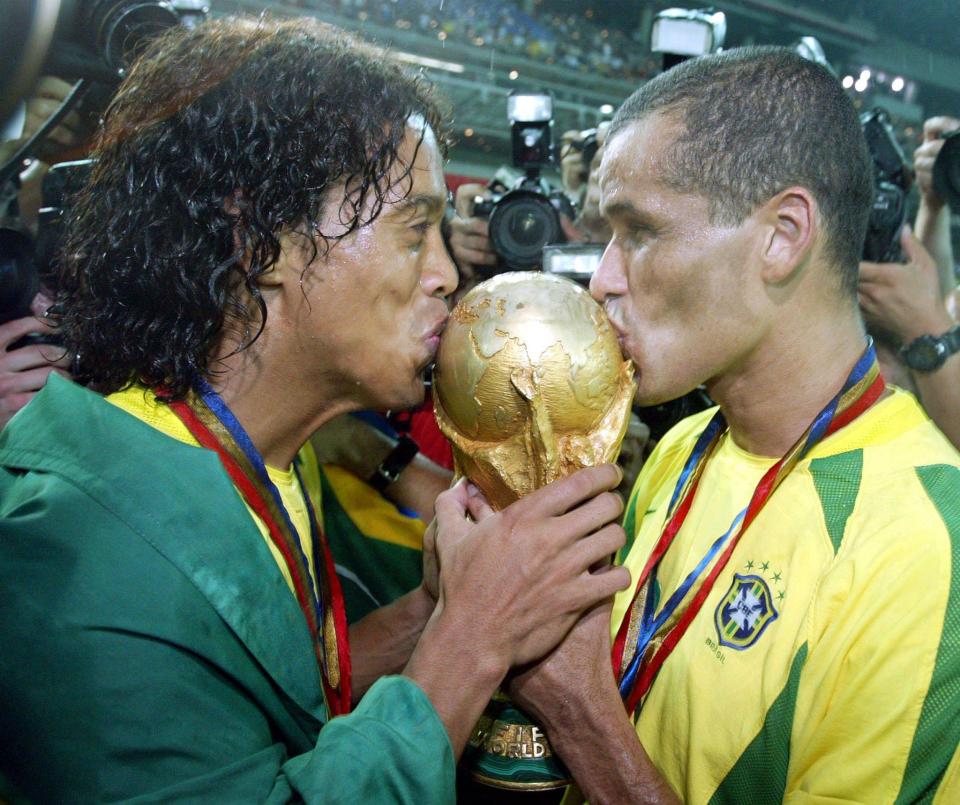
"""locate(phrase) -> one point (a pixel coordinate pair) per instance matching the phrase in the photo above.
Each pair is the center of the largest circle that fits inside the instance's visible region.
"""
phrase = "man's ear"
(231, 205)
(792, 226)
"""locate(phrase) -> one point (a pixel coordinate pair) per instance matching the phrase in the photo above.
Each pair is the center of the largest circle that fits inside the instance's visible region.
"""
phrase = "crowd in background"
(569, 41)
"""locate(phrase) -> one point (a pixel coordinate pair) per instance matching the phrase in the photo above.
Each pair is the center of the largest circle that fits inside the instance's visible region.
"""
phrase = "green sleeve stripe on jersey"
(629, 526)
(938, 730)
(837, 481)
(760, 774)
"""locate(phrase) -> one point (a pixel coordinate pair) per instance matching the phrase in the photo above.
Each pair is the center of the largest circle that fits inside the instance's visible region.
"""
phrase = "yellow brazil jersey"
(141, 403)
(824, 666)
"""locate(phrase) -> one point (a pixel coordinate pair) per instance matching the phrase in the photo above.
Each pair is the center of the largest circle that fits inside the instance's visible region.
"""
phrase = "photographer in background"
(469, 236)
(25, 365)
(24, 369)
(909, 301)
(593, 227)
(933, 216)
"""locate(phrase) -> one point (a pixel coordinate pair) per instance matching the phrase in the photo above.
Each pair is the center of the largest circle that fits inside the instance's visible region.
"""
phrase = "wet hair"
(755, 121)
(220, 138)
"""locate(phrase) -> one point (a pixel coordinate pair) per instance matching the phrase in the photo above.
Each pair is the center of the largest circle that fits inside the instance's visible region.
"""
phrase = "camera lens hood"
(946, 171)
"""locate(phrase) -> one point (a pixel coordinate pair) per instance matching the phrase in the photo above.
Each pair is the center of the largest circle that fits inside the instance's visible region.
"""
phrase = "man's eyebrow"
(427, 203)
(625, 209)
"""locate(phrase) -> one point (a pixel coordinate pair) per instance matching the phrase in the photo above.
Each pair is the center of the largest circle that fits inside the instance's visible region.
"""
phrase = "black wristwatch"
(929, 352)
(395, 463)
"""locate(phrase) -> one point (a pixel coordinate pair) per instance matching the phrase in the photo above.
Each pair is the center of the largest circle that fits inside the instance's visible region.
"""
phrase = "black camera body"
(892, 180)
(526, 217)
(523, 220)
(28, 265)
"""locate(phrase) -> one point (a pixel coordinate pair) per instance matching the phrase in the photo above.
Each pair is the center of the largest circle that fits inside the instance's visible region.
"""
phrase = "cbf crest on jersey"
(745, 611)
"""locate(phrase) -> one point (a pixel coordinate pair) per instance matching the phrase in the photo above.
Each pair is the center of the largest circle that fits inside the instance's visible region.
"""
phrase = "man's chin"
(413, 397)
(649, 397)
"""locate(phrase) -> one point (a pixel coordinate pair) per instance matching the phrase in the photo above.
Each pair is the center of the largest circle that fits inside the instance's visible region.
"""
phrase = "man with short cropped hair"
(790, 632)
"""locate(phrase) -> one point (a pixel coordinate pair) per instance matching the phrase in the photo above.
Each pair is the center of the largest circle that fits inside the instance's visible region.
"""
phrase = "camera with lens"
(892, 180)
(526, 217)
(99, 39)
(28, 265)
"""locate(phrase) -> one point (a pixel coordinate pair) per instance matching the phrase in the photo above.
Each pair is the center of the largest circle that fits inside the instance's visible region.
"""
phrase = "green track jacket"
(150, 646)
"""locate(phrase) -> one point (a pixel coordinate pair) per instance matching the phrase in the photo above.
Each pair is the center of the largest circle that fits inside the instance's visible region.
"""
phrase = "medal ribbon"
(653, 638)
(215, 427)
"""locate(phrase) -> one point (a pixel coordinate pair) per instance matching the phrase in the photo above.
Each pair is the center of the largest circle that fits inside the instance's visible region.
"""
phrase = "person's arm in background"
(469, 238)
(933, 216)
(907, 301)
(360, 448)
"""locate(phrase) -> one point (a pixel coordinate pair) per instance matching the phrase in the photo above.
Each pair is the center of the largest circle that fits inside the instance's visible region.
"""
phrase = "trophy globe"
(529, 386)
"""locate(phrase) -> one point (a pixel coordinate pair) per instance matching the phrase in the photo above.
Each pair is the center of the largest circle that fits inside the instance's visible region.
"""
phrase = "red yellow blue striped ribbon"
(211, 423)
(650, 639)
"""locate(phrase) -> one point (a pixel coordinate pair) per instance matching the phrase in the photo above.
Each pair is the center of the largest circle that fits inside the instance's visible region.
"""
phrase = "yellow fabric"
(371, 513)
(141, 403)
(948, 792)
(870, 653)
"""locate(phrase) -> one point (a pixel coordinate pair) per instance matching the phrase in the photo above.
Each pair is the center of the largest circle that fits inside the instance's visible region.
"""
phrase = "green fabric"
(151, 645)
(372, 572)
(760, 775)
(837, 481)
(938, 731)
(629, 525)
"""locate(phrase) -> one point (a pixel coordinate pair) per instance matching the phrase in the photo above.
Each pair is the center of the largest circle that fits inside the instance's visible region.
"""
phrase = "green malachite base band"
(509, 751)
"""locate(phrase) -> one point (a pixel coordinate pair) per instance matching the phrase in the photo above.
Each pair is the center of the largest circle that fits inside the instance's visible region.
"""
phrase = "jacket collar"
(179, 499)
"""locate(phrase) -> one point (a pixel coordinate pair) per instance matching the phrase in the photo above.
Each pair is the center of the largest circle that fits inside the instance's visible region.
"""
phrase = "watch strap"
(952, 340)
(927, 353)
(395, 463)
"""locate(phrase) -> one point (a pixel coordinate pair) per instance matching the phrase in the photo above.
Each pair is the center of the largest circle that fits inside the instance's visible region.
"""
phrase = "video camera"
(526, 217)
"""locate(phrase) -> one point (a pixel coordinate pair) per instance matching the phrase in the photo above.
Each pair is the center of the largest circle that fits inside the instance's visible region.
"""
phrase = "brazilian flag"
(376, 547)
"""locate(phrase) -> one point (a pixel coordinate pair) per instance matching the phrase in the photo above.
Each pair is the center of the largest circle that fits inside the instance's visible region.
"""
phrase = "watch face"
(925, 354)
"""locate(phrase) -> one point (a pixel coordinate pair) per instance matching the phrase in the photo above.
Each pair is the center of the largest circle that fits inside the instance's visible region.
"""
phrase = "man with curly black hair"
(258, 250)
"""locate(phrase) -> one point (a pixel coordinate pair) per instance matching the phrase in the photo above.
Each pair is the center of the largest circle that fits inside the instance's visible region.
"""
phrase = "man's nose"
(610, 277)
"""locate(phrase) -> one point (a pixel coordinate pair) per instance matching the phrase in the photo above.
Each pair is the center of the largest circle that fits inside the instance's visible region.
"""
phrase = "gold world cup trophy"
(529, 386)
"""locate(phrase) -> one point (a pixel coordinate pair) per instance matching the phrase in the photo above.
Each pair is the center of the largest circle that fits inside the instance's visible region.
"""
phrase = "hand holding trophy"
(529, 386)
